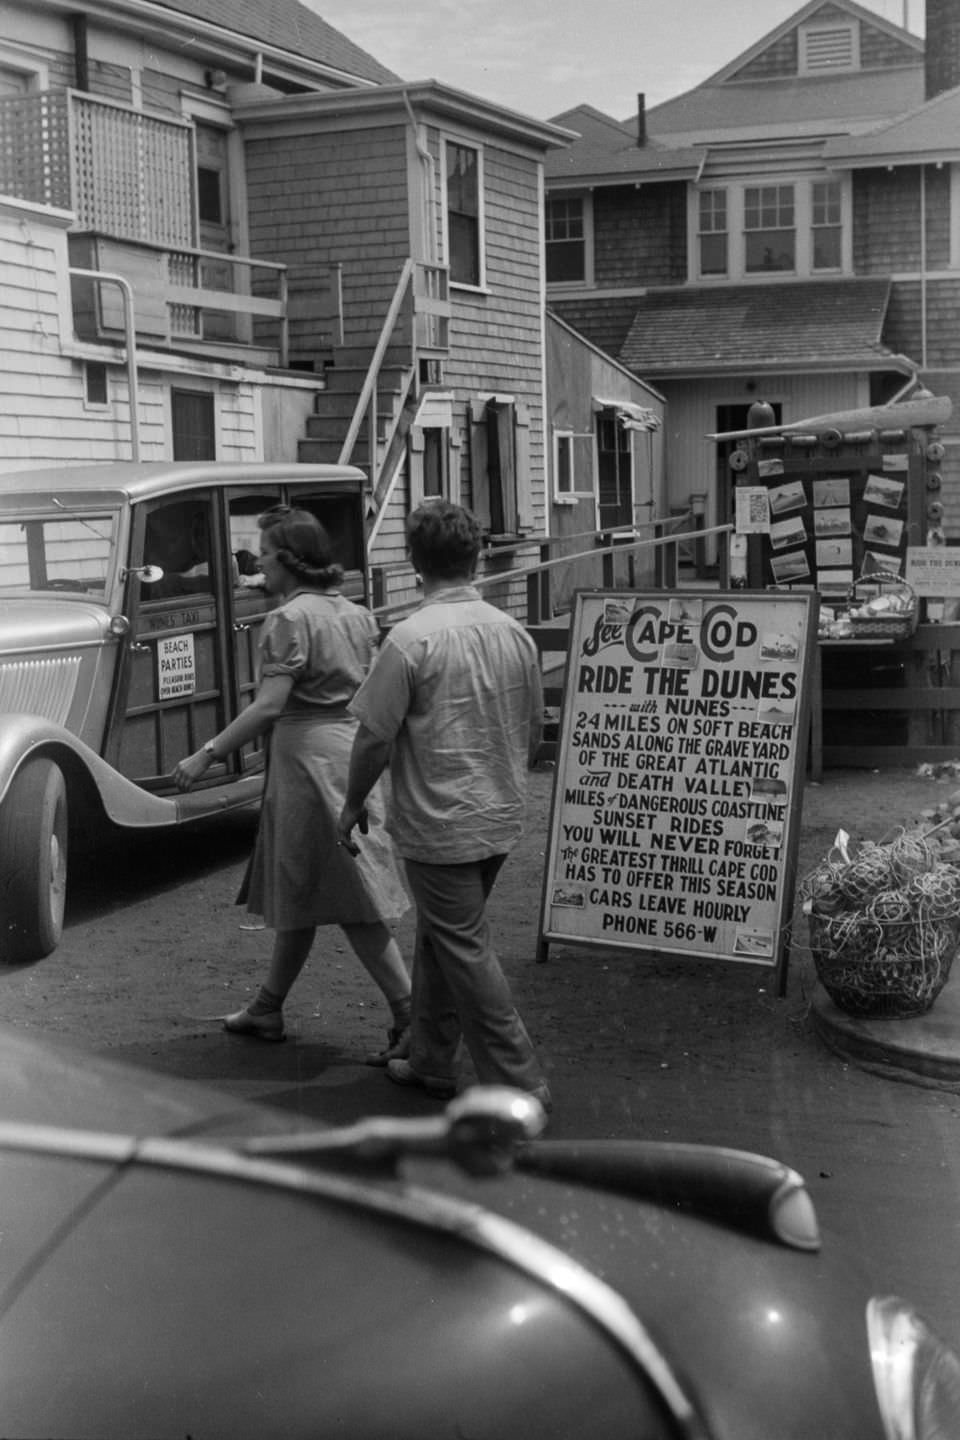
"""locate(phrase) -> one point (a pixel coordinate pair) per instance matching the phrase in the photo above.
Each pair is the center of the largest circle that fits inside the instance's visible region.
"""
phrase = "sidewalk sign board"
(674, 822)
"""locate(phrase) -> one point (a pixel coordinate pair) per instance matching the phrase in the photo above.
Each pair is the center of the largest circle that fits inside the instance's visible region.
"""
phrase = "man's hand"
(350, 816)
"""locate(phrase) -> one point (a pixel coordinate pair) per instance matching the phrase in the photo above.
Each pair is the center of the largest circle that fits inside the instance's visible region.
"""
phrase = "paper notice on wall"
(934, 571)
(752, 512)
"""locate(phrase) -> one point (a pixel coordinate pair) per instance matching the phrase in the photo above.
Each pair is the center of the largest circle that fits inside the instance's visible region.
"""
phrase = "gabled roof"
(798, 325)
(607, 152)
(786, 107)
(745, 97)
(803, 16)
(929, 134)
(286, 25)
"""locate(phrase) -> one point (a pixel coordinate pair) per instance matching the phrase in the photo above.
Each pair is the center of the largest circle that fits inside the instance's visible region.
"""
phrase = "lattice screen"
(34, 149)
(133, 174)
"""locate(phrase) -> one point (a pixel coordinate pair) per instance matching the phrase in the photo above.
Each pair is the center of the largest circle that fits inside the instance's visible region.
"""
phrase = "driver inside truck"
(178, 541)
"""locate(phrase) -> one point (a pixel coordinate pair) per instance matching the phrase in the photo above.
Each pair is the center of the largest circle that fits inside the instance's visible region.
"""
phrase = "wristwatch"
(209, 750)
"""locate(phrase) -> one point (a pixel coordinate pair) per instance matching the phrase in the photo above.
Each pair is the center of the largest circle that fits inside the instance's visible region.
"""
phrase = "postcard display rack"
(836, 512)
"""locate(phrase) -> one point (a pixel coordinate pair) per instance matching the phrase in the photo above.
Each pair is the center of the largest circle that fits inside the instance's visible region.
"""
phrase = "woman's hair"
(444, 540)
(302, 545)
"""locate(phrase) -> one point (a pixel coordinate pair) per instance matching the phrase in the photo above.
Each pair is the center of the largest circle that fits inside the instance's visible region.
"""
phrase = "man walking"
(454, 705)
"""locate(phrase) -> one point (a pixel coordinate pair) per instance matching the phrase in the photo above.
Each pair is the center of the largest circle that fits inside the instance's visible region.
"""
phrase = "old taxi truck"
(130, 606)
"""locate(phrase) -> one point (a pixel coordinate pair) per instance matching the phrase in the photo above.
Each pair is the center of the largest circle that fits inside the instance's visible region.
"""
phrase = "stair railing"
(367, 399)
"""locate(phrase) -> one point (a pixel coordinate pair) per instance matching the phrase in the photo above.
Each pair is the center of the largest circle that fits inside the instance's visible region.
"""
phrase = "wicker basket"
(883, 970)
(899, 626)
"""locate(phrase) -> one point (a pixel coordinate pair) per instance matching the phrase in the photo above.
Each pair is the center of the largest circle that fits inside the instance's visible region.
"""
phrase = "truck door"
(172, 697)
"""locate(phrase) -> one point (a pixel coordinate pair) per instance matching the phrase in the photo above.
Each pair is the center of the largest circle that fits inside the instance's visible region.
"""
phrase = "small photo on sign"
(685, 612)
(777, 646)
(567, 895)
(879, 530)
(753, 942)
(787, 497)
(680, 657)
(895, 462)
(776, 712)
(766, 468)
(834, 491)
(827, 523)
(769, 788)
(615, 613)
(765, 833)
(881, 490)
(788, 532)
(789, 567)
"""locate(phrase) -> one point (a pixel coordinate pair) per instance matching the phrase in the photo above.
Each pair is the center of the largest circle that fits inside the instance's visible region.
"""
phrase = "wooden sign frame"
(674, 823)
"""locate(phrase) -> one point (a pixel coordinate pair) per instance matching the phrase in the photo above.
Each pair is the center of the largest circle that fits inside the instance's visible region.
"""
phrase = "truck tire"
(33, 862)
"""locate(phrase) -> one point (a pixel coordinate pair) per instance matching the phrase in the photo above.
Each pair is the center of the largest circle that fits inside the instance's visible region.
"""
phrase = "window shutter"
(415, 445)
(522, 452)
(479, 474)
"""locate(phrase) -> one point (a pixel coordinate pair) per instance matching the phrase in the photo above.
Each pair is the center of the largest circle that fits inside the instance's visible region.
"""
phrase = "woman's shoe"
(398, 1047)
(268, 1026)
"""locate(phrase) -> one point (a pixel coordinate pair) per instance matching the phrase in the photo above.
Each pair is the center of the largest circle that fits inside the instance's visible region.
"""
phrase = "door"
(614, 472)
(173, 695)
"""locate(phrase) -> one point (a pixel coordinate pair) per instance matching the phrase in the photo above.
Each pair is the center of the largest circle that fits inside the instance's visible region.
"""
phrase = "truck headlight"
(917, 1376)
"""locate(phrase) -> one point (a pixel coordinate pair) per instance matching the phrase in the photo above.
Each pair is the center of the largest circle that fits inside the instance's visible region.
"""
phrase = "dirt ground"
(155, 951)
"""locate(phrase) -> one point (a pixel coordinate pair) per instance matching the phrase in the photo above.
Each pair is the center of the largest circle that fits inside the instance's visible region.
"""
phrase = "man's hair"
(444, 540)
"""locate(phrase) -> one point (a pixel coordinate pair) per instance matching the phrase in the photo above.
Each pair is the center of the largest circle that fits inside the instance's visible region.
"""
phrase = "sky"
(541, 57)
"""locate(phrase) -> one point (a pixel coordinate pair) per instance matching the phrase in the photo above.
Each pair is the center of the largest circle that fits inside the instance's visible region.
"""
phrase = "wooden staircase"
(334, 409)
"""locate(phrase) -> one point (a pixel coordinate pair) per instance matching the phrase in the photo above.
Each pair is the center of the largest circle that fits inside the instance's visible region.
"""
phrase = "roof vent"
(829, 48)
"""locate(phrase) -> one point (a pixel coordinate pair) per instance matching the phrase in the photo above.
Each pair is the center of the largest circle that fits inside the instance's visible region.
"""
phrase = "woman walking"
(315, 649)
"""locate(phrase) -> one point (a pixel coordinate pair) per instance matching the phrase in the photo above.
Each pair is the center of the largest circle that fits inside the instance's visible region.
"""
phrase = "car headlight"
(917, 1376)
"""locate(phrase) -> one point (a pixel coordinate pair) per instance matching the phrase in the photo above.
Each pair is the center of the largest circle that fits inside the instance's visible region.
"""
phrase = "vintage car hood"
(148, 1291)
(41, 623)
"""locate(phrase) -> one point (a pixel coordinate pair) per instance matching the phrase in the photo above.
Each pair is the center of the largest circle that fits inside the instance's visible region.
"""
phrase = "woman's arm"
(256, 720)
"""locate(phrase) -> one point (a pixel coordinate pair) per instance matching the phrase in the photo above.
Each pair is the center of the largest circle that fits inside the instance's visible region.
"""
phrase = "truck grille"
(39, 687)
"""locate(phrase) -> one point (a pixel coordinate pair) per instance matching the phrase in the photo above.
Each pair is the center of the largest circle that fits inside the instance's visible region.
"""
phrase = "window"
(769, 228)
(563, 477)
(799, 227)
(826, 225)
(713, 232)
(95, 383)
(432, 471)
(464, 213)
(500, 465)
(193, 420)
(565, 239)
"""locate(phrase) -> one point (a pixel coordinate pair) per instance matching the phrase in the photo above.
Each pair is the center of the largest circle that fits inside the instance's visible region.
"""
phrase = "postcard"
(895, 462)
(881, 490)
(879, 530)
(834, 552)
(833, 491)
(835, 583)
(769, 467)
(788, 532)
(831, 522)
(790, 496)
(793, 566)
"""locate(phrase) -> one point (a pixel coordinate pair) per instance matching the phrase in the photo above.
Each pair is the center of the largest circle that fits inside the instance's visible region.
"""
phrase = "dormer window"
(827, 49)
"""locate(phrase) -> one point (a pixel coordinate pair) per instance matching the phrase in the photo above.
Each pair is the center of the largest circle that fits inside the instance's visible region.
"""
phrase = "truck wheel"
(33, 862)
